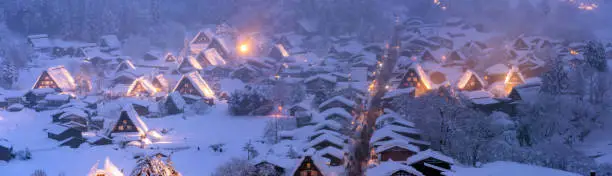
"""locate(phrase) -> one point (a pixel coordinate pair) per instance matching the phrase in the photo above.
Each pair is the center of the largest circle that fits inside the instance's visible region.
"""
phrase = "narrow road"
(361, 145)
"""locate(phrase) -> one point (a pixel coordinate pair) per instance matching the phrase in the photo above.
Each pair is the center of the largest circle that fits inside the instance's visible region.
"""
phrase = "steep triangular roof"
(160, 82)
(456, 56)
(468, 76)
(60, 76)
(303, 162)
(340, 99)
(198, 83)
(131, 118)
(188, 64)
(170, 58)
(125, 65)
(140, 85)
(203, 37)
(211, 57)
(278, 52)
(416, 68)
(427, 56)
(520, 44)
(514, 74)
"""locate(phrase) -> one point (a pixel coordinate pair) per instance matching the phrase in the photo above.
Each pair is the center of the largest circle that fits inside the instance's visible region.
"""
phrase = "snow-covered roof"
(429, 154)
(386, 119)
(57, 129)
(309, 25)
(198, 82)
(340, 99)
(40, 41)
(223, 43)
(360, 86)
(190, 63)
(135, 118)
(213, 57)
(73, 112)
(5, 143)
(378, 135)
(177, 99)
(465, 78)
(43, 91)
(282, 50)
(109, 169)
(326, 132)
(57, 97)
(484, 101)
(477, 94)
(62, 78)
(421, 74)
(141, 82)
(162, 81)
(325, 77)
(329, 138)
(125, 65)
(111, 41)
(398, 92)
(497, 69)
(336, 111)
(329, 124)
(208, 33)
(333, 151)
(514, 71)
(396, 143)
(391, 167)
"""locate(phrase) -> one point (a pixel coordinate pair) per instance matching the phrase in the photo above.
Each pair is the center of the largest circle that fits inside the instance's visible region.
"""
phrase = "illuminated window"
(120, 128)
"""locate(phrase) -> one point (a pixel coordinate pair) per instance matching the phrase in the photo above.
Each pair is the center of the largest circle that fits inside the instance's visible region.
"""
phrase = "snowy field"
(501, 168)
(24, 129)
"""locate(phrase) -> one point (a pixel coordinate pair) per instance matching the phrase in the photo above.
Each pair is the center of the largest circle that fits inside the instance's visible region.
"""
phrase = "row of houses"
(397, 149)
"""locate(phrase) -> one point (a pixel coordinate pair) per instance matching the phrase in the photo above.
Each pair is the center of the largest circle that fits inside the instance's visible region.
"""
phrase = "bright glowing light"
(244, 48)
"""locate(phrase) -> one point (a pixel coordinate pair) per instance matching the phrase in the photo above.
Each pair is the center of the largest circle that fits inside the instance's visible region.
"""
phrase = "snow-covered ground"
(502, 168)
(25, 129)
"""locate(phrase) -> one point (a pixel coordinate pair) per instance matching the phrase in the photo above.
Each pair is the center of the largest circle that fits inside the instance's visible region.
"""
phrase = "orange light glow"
(573, 52)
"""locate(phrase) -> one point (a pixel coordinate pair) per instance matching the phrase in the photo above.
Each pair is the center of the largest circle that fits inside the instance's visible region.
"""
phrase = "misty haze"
(305, 87)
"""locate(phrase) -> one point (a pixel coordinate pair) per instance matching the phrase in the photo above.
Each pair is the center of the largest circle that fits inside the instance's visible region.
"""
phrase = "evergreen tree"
(595, 56)
(555, 80)
(8, 74)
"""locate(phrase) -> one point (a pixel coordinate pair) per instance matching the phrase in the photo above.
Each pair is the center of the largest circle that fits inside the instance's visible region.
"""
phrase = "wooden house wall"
(325, 144)
(5, 153)
(395, 154)
(307, 168)
(45, 81)
(124, 124)
(65, 135)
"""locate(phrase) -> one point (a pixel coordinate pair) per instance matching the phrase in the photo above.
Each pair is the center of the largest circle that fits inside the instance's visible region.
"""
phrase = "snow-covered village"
(305, 88)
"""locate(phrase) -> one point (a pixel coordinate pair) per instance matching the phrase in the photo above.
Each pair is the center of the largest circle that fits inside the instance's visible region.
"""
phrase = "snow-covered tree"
(555, 80)
(595, 56)
(266, 170)
(235, 167)
(39, 172)
(153, 166)
(250, 149)
(8, 74)
(250, 101)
